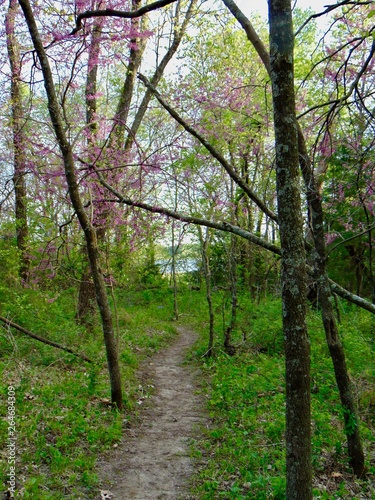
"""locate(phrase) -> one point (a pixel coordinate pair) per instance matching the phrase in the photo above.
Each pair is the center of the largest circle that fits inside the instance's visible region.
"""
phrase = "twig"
(45, 341)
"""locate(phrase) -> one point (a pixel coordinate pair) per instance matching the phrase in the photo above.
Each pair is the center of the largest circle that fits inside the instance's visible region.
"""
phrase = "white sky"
(261, 6)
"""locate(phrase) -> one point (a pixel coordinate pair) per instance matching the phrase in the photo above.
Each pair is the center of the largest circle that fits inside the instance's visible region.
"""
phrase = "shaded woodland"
(184, 161)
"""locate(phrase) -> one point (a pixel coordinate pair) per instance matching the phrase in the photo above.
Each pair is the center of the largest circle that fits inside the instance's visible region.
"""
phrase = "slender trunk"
(204, 241)
(86, 298)
(326, 302)
(87, 227)
(19, 160)
(293, 268)
(355, 450)
(86, 295)
(229, 348)
(177, 37)
(174, 274)
(135, 59)
(370, 250)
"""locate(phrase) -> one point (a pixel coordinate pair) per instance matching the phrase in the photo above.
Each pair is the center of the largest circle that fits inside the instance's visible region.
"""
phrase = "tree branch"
(216, 154)
(177, 37)
(355, 236)
(119, 13)
(330, 8)
(220, 226)
(352, 297)
(45, 341)
(252, 35)
(231, 228)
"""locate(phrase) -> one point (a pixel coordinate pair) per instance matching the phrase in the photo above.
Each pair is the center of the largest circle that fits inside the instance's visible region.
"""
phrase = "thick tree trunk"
(87, 227)
(293, 268)
(18, 123)
(319, 259)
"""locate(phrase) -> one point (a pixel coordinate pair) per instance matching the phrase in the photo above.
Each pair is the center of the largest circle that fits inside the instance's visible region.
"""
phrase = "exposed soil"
(152, 461)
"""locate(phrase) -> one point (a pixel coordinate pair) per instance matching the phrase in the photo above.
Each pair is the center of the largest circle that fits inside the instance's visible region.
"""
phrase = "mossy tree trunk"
(326, 302)
(87, 227)
(293, 260)
(18, 124)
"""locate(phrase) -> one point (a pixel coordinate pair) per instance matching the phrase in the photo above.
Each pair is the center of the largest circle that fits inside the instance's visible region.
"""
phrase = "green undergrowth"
(64, 421)
(63, 417)
(241, 454)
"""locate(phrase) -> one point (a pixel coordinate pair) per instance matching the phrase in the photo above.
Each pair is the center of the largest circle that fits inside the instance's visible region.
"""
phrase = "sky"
(261, 6)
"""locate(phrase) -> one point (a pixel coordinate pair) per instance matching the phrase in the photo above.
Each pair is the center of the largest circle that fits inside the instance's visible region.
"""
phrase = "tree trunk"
(293, 262)
(87, 227)
(18, 122)
(177, 37)
(86, 295)
(325, 295)
(204, 241)
(355, 450)
(174, 274)
(86, 298)
(232, 263)
(326, 302)
(126, 96)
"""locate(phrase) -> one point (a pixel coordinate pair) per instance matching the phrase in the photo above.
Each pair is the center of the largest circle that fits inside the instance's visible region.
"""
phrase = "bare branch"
(366, 231)
(352, 297)
(214, 152)
(45, 341)
(119, 13)
(250, 32)
(330, 8)
(220, 226)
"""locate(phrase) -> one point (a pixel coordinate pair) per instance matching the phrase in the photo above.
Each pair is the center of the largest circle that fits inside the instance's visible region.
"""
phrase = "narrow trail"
(152, 461)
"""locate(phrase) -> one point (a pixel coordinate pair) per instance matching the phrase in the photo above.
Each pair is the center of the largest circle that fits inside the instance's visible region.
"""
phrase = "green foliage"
(63, 415)
(241, 455)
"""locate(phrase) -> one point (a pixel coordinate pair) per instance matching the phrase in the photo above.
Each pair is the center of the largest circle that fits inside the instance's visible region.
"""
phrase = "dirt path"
(152, 461)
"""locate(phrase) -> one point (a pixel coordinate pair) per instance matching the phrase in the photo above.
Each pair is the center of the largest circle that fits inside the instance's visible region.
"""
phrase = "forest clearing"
(187, 285)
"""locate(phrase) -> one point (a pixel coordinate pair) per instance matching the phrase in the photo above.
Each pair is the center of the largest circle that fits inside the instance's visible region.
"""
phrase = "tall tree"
(319, 258)
(75, 196)
(293, 260)
(19, 145)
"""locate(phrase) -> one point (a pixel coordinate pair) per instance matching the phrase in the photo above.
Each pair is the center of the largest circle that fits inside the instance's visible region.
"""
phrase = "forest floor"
(153, 459)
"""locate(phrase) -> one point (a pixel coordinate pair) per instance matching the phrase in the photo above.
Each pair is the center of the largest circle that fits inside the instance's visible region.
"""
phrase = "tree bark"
(233, 279)
(177, 37)
(326, 302)
(204, 241)
(42, 339)
(86, 295)
(135, 59)
(87, 227)
(319, 272)
(293, 261)
(174, 273)
(18, 122)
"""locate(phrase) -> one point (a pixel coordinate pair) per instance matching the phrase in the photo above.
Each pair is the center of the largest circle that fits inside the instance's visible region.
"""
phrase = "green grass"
(241, 456)
(64, 422)
(63, 419)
